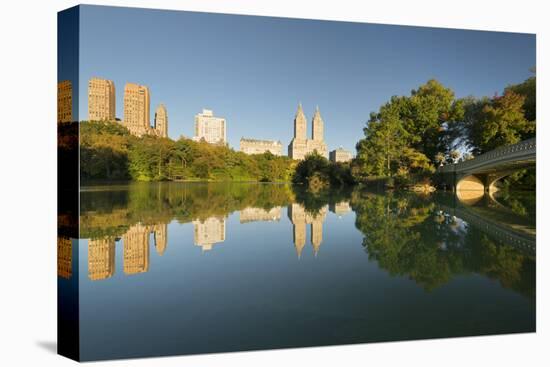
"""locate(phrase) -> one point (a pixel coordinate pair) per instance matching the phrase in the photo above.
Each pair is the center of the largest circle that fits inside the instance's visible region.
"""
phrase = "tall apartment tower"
(300, 124)
(317, 126)
(64, 101)
(161, 121)
(101, 100)
(137, 109)
(300, 146)
(210, 128)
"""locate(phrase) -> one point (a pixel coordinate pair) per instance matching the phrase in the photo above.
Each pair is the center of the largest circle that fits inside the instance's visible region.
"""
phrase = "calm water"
(174, 268)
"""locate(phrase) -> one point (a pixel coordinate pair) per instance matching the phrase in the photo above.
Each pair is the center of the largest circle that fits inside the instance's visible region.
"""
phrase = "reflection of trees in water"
(111, 212)
(408, 237)
(315, 202)
(406, 234)
(522, 203)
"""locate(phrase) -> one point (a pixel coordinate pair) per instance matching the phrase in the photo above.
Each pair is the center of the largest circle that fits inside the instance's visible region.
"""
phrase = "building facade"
(255, 146)
(210, 128)
(340, 155)
(101, 100)
(300, 146)
(64, 101)
(137, 109)
(161, 122)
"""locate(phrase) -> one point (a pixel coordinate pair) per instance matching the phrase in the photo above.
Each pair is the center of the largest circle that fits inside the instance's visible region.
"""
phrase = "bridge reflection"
(498, 222)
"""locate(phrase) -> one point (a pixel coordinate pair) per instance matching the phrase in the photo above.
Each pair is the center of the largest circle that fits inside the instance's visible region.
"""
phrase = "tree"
(429, 110)
(527, 89)
(312, 171)
(501, 122)
(385, 139)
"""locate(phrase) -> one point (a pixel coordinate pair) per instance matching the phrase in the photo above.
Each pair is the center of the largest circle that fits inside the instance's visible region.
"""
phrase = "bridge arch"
(483, 172)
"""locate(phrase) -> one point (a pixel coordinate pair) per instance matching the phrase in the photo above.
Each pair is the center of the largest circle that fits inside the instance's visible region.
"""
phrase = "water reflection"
(429, 240)
(64, 257)
(300, 218)
(209, 232)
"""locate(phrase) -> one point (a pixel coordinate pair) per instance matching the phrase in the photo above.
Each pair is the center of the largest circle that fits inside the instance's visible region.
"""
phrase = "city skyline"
(255, 70)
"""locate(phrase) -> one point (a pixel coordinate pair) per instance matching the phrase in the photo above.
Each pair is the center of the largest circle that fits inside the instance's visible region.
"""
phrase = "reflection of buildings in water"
(340, 208)
(136, 249)
(64, 257)
(161, 237)
(101, 258)
(299, 219)
(101, 252)
(251, 214)
(209, 232)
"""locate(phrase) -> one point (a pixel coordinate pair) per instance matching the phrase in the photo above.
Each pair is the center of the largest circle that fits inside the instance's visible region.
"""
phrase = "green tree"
(501, 121)
(527, 89)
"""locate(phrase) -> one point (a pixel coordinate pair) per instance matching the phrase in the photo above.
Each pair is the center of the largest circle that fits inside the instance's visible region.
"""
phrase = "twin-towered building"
(300, 146)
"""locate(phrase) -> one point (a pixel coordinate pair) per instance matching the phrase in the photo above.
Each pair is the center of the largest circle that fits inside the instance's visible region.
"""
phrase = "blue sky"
(255, 70)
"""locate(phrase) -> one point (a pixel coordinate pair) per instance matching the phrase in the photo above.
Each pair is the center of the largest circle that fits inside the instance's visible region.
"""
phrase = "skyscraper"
(161, 121)
(210, 128)
(101, 100)
(64, 101)
(137, 109)
(300, 146)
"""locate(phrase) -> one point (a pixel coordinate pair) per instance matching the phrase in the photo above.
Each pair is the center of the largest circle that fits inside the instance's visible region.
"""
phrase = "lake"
(180, 268)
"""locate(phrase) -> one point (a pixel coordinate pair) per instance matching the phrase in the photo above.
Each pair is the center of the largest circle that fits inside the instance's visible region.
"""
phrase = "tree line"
(109, 152)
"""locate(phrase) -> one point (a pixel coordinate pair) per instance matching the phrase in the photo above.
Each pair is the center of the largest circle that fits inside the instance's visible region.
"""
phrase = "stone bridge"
(481, 173)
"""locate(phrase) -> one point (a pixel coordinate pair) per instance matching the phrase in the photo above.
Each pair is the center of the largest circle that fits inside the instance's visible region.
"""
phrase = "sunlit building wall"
(137, 109)
(210, 128)
(101, 100)
(64, 101)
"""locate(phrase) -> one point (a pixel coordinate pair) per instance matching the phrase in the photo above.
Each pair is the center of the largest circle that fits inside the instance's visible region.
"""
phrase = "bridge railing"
(501, 152)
